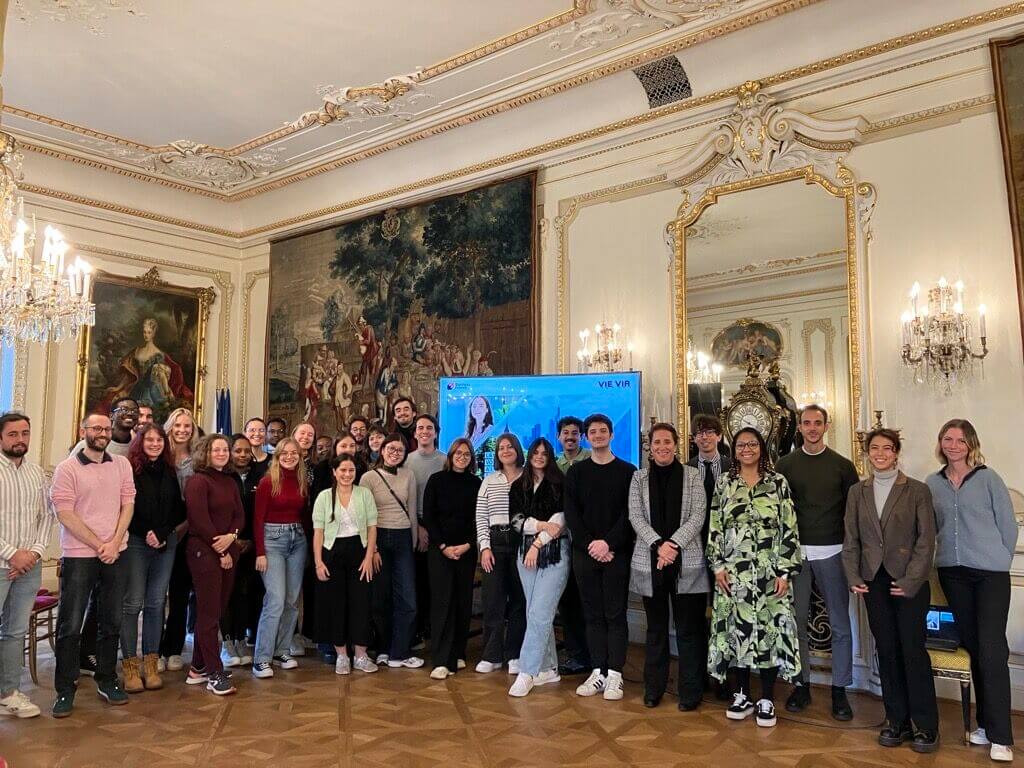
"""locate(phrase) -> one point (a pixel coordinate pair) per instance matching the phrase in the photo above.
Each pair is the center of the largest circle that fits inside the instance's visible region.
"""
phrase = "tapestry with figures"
(378, 308)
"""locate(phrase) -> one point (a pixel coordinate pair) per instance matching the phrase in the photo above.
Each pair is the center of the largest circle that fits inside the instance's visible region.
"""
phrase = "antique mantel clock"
(753, 405)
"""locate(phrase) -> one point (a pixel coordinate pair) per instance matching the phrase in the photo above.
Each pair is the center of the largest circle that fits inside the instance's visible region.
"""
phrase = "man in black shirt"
(597, 513)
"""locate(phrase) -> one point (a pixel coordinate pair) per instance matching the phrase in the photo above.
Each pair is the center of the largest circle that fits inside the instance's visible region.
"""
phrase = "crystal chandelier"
(699, 368)
(38, 301)
(607, 351)
(938, 337)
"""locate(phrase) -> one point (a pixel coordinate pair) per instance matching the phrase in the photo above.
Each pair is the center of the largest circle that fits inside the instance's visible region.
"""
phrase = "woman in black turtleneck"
(449, 514)
(149, 558)
(667, 509)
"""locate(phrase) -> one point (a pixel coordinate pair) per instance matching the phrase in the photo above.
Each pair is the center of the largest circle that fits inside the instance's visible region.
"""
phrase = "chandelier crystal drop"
(607, 351)
(44, 300)
(699, 368)
(938, 335)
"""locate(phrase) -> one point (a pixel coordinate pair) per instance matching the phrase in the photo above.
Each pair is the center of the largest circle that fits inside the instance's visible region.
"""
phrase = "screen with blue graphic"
(483, 407)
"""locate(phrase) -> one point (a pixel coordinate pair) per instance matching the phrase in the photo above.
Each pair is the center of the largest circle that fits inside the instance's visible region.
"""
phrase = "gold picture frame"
(149, 342)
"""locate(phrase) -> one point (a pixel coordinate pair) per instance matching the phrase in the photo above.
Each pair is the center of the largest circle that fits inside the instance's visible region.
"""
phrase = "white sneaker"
(547, 676)
(593, 685)
(1001, 753)
(364, 664)
(613, 686)
(440, 673)
(487, 666)
(765, 716)
(522, 686)
(284, 661)
(161, 664)
(175, 664)
(18, 705)
(242, 652)
(979, 738)
(513, 666)
(227, 655)
(741, 707)
(413, 662)
(342, 666)
(382, 659)
(461, 664)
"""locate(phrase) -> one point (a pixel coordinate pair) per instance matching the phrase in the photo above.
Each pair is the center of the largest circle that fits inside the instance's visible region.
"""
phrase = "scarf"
(665, 500)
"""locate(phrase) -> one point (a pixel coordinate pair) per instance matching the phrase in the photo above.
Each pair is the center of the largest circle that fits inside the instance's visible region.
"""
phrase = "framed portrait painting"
(148, 343)
(1008, 77)
(736, 342)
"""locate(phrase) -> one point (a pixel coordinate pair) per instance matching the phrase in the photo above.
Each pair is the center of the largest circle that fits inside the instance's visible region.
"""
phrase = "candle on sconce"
(629, 349)
(981, 321)
(906, 321)
(959, 291)
(914, 291)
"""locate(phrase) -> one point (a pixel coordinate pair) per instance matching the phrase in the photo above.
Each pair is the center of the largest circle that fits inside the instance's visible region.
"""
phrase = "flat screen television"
(483, 407)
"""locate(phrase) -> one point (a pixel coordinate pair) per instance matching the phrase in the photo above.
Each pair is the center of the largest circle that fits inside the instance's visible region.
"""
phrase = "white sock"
(613, 675)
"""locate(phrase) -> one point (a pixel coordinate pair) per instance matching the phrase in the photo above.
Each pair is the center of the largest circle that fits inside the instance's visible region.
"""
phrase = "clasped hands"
(600, 551)
(668, 551)
(21, 562)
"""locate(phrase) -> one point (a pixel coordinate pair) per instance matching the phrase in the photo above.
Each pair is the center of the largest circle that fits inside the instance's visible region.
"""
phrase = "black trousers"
(423, 615)
(574, 626)
(504, 603)
(80, 577)
(451, 606)
(87, 647)
(688, 613)
(898, 624)
(604, 591)
(235, 621)
(178, 592)
(309, 624)
(343, 601)
(980, 601)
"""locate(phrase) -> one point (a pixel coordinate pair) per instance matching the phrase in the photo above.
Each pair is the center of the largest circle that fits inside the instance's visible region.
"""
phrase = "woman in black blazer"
(887, 555)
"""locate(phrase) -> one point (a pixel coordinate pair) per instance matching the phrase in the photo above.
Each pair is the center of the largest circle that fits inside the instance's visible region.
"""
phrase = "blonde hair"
(974, 454)
(190, 446)
(274, 471)
(201, 452)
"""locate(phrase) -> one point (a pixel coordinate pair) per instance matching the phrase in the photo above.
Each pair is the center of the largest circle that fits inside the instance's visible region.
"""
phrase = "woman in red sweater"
(280, 540)
(215, 516)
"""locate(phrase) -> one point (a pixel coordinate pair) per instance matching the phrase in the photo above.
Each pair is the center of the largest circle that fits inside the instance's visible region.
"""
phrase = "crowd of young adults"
(373, 537)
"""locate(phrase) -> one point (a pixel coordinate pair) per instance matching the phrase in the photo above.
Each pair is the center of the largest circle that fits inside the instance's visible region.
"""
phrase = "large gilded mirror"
(768, 244)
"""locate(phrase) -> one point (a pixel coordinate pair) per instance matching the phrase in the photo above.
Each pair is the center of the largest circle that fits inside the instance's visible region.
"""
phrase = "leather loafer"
(925, 741)
(894, 734)
(799, 699)
(651, 701)
(688, 706)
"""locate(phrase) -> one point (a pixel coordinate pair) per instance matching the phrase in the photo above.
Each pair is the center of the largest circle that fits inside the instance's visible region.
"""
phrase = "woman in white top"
(504, 604)
(344, 545)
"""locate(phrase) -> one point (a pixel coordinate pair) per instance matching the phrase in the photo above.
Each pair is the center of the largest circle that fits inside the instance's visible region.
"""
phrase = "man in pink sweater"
(93, 494)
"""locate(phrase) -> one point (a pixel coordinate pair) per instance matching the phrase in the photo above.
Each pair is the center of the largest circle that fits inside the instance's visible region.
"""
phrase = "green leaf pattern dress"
(753, 535)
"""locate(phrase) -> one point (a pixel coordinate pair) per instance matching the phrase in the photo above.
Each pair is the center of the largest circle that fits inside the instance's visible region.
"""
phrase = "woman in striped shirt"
(504, 604)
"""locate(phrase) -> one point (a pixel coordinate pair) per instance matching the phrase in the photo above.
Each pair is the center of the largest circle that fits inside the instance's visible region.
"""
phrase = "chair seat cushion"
(42, 602)
(952, 661)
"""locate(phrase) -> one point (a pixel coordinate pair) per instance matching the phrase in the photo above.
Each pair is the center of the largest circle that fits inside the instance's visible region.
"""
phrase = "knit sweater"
(158, 504)
(882, 486)
(819, 483)
(214, 508)
(287, 508)
(597, 503)
(449, 508)
(385, 487)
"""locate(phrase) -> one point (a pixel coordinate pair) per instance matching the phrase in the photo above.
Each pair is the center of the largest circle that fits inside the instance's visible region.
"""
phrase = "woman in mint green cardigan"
(345, 555)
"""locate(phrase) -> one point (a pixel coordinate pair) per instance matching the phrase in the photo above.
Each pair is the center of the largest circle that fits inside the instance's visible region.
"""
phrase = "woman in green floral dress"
(753, 549)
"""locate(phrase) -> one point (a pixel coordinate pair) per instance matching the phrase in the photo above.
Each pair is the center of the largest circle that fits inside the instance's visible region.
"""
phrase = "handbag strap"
(393, 494)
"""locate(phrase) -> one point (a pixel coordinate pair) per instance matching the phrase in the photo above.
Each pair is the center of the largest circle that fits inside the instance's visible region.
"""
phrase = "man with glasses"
(26, 525)
(124, 415)
(93, 494)
(820, 480)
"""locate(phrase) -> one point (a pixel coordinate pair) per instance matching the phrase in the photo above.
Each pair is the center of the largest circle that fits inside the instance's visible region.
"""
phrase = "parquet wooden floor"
(403, 719)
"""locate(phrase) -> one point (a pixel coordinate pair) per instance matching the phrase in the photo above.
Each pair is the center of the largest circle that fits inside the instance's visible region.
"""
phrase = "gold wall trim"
(762, 299)
(251, 278)
(781, 275)
(978, 104)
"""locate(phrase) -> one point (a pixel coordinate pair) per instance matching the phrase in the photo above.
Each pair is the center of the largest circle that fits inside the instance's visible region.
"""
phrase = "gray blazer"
(902, 538)
(693, 567)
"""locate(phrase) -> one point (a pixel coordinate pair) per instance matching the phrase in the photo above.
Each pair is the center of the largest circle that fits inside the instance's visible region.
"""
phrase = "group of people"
(374, 537)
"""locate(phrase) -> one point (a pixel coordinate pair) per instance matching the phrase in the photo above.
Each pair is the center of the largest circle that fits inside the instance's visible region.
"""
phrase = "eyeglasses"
(123, 409)
(99, 430)
(747, 446)
(462, 455)
(706, 433)
(395, 449)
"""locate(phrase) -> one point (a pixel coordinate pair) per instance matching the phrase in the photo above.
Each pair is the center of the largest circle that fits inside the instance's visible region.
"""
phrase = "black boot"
(894, 734)
(841, 709)
(799, 699)
(925, 741)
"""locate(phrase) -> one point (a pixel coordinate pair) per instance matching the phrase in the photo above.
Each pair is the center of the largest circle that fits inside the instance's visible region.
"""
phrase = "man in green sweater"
(819, 480)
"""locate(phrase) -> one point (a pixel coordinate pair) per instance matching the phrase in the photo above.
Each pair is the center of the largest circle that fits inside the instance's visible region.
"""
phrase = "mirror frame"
(760, 144)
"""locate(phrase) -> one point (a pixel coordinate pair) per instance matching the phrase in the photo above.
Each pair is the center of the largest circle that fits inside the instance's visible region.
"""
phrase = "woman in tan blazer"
(887, 555)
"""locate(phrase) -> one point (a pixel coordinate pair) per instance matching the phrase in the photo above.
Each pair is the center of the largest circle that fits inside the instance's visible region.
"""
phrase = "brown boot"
(132, 680)
(150, 672)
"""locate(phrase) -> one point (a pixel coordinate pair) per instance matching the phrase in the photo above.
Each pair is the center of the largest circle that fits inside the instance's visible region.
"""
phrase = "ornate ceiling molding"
(387, 99)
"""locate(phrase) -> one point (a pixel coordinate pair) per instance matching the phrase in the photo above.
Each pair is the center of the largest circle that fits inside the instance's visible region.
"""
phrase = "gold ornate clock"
(753, 405)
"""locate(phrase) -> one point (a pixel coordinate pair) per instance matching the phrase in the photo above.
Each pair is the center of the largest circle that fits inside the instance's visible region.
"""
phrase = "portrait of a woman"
(149, 375)
(480, 422)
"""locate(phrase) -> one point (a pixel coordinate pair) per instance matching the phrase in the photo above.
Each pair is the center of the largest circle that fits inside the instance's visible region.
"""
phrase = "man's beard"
(16, 451)
(98, 443)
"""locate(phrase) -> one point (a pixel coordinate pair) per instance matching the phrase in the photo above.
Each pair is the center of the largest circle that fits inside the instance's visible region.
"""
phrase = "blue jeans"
(394, 593)
(148, 574)
(543, 588)
(831, 580)
(286, 557)
(16, 600)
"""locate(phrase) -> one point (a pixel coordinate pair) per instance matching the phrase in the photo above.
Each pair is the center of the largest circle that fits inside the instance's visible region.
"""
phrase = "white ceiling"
(225, 96)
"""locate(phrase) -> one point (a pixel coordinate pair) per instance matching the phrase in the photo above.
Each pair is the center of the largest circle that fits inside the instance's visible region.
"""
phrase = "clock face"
(750, 414)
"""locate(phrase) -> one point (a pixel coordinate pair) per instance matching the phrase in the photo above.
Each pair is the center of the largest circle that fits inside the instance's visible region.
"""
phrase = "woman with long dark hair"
(449, 515)
(977, 536)
(753, 550)
(535, 511)
(504, 604)
(152, 542)
(215, 516)
(344, 545)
